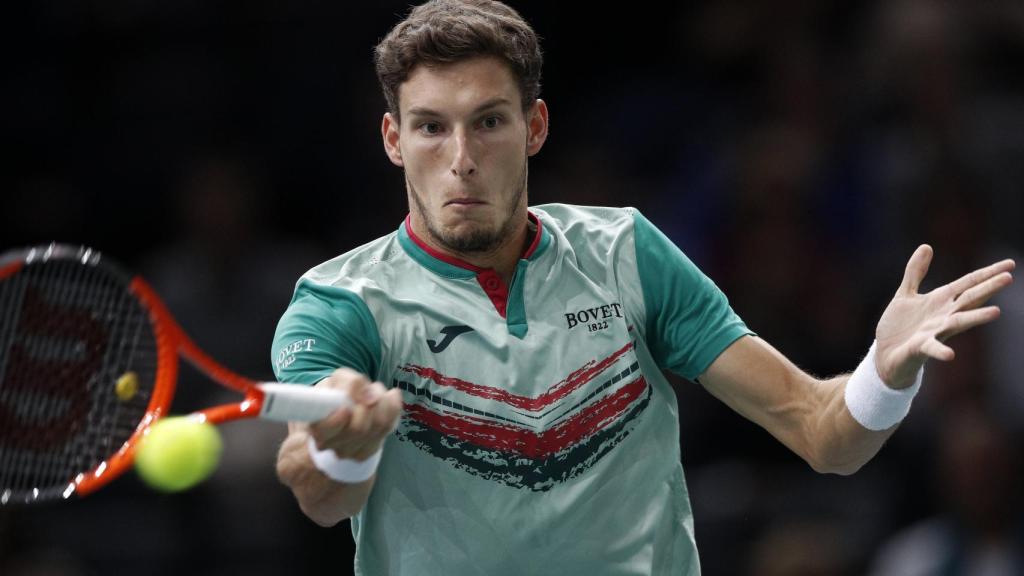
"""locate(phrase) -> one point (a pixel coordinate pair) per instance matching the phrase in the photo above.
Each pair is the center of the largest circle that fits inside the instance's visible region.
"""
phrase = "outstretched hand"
(915, 326)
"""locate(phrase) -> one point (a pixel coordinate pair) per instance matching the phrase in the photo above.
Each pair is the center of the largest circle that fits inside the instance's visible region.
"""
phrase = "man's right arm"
(354, 433)
(325, 328)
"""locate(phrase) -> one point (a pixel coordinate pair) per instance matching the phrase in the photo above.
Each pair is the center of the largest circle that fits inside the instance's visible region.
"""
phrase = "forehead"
(458, 86)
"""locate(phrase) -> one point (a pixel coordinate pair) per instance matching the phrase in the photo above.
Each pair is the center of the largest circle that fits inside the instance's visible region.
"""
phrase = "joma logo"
(450, 333)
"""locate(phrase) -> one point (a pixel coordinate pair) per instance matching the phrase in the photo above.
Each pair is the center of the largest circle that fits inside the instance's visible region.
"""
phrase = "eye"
(491, 122)
(430, 128)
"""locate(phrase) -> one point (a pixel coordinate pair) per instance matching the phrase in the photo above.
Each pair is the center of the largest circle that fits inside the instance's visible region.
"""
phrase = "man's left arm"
(815, 418)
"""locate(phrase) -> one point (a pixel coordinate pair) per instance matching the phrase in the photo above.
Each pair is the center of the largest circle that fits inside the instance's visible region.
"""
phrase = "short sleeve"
(324, 328)
(688, 319)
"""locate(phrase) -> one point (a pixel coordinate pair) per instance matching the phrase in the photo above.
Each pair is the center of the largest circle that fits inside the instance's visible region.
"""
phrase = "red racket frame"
(171, 343)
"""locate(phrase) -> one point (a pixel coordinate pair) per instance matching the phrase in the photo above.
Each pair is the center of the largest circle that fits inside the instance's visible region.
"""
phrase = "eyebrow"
(492, 103)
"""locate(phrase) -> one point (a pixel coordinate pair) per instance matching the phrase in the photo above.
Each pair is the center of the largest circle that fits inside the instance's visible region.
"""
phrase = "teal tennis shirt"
(538, 434)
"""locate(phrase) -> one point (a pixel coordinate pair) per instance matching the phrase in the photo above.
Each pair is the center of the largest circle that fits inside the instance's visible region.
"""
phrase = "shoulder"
(328, 322)
(598, 240)
(587, 224)
(349, 271)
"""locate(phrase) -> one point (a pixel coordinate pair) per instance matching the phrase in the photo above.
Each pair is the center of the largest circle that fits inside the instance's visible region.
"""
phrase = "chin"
(468, 224)
(468, 239)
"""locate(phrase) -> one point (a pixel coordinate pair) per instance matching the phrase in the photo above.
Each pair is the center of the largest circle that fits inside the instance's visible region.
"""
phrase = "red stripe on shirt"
(575, 380)
(507, 438)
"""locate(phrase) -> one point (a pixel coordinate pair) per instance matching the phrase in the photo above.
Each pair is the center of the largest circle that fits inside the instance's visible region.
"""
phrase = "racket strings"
(67, 286)
(30, 444)
(69, 332)
(133, 352)
(12, 292)
(70, 287)
(76, 454)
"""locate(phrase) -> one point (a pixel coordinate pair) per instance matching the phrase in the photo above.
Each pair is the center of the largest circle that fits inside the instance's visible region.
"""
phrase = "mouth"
(464, 202)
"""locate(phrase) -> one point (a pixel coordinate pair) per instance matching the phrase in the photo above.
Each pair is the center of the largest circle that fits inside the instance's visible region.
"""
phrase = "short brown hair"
(447, 31)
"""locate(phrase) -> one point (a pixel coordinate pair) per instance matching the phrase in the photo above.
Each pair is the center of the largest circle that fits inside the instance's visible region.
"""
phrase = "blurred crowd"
(796, 151)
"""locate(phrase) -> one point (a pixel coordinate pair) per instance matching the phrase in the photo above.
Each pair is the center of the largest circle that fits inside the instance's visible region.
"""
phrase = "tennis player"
(506, 361)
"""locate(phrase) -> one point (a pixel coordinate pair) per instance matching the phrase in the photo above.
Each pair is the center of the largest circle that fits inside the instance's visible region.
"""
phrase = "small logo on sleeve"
(287, 355)
(449, 333)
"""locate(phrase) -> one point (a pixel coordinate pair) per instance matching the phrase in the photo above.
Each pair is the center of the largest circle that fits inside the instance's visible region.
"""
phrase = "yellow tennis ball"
(127, 386)
(178, 453)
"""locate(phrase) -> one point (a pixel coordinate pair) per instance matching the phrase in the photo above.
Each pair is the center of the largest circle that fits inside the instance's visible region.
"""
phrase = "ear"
(537, 126)
(390, 132)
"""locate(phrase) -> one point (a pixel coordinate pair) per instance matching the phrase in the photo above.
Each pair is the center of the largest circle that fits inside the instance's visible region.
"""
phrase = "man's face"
(464, 141)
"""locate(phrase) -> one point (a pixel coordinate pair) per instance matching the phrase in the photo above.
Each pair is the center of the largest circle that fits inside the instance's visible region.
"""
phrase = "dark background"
(797, 151)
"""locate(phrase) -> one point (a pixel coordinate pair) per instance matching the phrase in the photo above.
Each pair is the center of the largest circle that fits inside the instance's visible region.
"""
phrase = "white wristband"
(871, 402)
(343, 469)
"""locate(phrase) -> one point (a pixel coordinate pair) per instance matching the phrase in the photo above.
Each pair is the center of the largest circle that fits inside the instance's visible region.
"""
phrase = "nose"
(463, 165)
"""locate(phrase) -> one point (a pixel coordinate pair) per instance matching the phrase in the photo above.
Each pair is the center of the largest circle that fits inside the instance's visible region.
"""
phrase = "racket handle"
(294, 402)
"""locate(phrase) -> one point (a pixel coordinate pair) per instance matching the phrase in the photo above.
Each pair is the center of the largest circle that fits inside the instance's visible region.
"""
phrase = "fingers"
(357, 431)
(326, 431)
(377, 412)
(925, 323)
(980, 293)
(956, 323)
(968, 281)
(964, 321)
(935, 349)
(917, 268)
(390, 410)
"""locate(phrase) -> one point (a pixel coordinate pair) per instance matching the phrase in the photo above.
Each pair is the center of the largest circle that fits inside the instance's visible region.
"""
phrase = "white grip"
(294, 402)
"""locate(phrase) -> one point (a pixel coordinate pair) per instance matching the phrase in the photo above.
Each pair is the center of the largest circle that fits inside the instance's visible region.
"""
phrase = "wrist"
(873, 403)
(899, 377)
(344, 470)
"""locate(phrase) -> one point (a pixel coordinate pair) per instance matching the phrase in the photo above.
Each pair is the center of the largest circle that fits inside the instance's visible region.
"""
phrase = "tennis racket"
(88, 360)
